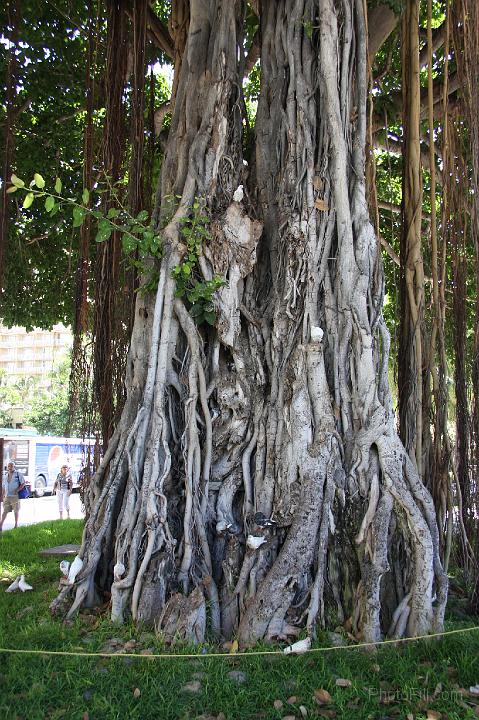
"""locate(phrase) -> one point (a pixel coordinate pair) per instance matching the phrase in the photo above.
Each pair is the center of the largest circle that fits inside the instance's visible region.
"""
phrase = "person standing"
(13, 482)
(63, 487)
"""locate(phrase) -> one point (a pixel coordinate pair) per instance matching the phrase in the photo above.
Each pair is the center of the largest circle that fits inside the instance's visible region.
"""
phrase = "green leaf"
(219, 282)
(210, 318)
(17, 182)
(104, 231)
(103, 235)
(196, 310)
(49, 203)
(29, 198)
(39, 181)
(142, 215)
(196, 292)
(12, 189)
(85, 196)
(78, 216)
(58, 186)
(308, 26)
(113, 213)
(128, 243)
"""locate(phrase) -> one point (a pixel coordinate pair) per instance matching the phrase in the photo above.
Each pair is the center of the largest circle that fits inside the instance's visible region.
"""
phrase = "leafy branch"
(189, 283)
(139, 241)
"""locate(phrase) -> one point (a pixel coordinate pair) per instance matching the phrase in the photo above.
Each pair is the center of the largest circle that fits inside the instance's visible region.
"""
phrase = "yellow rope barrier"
(253, 653)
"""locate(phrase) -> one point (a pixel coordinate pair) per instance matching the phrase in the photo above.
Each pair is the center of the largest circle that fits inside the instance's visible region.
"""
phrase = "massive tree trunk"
(255, 482)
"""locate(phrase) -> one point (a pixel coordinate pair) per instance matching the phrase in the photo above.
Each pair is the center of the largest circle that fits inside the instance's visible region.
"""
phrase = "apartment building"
(34, 353)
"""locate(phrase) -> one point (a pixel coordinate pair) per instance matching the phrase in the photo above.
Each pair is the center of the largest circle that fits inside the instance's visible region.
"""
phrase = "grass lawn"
(421, 680)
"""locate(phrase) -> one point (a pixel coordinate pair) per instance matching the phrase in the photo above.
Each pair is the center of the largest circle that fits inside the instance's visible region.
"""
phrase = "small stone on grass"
(238, 676)
(336, 639)
(194, 686)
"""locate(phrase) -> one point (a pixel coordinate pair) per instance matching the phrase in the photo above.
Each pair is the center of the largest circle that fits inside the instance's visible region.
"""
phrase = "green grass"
(41, 687)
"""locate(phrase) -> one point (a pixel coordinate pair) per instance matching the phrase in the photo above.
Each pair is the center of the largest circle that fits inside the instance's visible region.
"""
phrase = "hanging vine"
(13, 19)
(411, 355)
(464, 148)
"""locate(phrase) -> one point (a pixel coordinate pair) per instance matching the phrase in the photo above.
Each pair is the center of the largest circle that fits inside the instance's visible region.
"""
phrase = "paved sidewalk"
(35, 510)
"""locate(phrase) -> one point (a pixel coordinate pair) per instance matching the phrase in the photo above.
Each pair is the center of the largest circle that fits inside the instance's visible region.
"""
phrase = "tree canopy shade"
(42, 121)
(255, 482)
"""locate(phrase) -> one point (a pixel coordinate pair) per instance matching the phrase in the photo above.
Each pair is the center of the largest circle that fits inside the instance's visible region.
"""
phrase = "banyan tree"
(255, 483)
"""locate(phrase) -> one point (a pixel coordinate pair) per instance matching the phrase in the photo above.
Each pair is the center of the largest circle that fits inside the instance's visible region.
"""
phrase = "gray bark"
(256, 481)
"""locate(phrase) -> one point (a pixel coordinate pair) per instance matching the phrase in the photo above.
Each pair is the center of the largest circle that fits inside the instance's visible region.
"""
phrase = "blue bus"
(40, 457)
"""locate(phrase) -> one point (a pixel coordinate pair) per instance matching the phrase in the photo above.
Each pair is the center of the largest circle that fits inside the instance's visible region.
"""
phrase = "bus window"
(17, 451)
